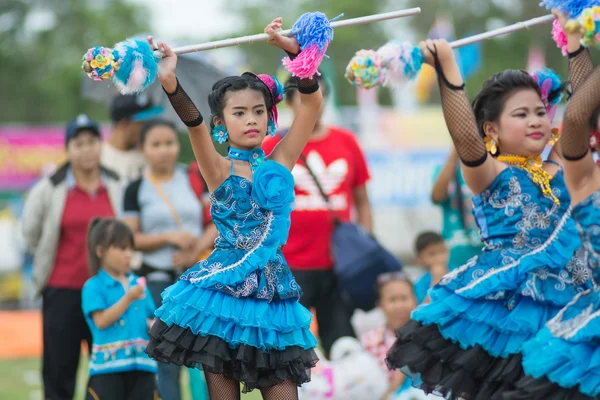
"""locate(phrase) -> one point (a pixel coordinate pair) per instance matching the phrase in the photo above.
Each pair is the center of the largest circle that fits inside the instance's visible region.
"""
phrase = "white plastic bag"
(351, 374)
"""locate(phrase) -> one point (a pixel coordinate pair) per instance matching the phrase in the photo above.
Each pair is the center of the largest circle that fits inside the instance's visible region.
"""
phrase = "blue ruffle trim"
(249, 321)
(500, 330)
(567, 364)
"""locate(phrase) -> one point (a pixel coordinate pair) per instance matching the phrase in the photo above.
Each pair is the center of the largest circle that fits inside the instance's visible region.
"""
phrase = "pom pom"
(550, 85)
(558, 35)
(365, 69)
(313, 32)
(101, 63)
(589, 23)
(138, 67)
(392, 65)
(571, 8)
(401, 60)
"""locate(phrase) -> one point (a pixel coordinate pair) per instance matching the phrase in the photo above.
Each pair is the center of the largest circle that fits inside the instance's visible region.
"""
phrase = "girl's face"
(161, 147)
(245, 118)
(397, 300)
(523, 127)
(116, 260)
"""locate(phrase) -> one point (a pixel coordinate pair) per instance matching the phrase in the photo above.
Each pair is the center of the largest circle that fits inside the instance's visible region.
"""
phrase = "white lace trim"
(539, 249)
(243, 259)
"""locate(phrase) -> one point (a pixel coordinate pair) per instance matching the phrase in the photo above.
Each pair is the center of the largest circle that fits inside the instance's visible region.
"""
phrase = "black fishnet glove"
(580, 66)
(460, 120)
(306, 85)
(575, 140)
(184, 107)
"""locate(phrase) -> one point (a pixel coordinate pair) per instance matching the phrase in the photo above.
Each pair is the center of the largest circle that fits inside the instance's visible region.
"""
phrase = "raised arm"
(212, 165)
(581, 173)
(290, 147)
(439, 192)
(580, 61)
(479, 170)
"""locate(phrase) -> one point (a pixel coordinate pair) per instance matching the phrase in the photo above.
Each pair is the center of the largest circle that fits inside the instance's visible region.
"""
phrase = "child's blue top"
(120, 347)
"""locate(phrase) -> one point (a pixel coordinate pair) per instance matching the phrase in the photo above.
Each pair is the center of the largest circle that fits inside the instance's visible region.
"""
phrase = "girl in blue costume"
(563, 361)
(236, 314)
(466, 342)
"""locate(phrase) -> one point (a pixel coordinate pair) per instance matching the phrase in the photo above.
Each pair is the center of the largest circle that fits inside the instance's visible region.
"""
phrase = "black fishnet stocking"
(185, 107)
(460, 121)
(575, 140)
(286, 390)
(580, 66)
(221, 387)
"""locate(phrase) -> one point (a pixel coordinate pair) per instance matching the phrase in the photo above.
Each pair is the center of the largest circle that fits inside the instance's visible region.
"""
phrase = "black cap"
(136, 107)
(82, 122)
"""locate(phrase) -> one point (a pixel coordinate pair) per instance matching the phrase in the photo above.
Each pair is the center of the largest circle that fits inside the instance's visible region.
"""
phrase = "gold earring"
(554, 138)
(490, 145)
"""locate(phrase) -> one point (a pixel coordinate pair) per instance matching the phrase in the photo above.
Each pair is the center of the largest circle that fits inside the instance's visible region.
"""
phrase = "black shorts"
(132, 385)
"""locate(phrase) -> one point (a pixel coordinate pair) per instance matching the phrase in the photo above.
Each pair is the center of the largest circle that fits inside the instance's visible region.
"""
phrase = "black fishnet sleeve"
(575, 140)
(580, 66)
(461, 122)
(184, 107)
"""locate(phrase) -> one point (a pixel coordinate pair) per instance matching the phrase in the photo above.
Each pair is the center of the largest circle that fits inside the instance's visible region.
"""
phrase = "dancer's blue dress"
(563, 361)
(237, 312)
(466, 343)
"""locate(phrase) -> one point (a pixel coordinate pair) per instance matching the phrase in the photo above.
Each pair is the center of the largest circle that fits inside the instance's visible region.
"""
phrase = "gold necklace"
(533, 165)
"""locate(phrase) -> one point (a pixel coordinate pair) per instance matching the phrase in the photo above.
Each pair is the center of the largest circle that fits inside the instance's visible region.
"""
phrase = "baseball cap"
(80, 123)
(136, 107)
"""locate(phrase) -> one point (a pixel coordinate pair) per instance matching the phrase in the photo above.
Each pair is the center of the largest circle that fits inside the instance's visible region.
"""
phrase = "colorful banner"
(27, 153)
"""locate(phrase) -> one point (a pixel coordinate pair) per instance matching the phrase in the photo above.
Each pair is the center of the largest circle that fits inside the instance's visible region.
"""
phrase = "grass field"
(21, 380)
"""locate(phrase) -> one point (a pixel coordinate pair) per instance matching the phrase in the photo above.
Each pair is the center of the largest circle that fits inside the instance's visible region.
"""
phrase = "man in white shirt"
(120, 151)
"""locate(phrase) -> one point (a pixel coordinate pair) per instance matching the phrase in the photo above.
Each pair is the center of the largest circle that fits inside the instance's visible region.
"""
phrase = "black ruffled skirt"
(530, 388)
(249, 365)
(439, 366)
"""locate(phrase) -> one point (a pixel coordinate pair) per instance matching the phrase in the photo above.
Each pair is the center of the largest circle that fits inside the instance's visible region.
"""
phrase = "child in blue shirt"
(117, 307)
(432, 253)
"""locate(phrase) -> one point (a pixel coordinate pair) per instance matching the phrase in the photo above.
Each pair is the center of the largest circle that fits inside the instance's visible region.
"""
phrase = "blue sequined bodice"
(587, 216)
(514, 213)
(528, 238)
(247, 260)
(242, 224)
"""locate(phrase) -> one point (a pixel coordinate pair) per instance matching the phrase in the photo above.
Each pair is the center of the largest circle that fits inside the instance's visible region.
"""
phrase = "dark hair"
(489, 103)
(106, 232)
(153, 123)
(216, 99)
(387, 277)
(291, 87)
(426, 239)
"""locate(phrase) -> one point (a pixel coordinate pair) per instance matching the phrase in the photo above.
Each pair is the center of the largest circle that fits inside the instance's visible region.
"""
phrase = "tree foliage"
(41, 45)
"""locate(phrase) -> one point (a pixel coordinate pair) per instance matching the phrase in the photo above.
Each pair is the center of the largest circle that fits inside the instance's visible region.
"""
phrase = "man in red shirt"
(55, 221)
(337, 161)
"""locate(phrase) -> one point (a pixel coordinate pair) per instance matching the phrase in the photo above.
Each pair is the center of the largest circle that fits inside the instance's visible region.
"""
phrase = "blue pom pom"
(572, 8)
(313, 28)
(412, 62)
(138, 67)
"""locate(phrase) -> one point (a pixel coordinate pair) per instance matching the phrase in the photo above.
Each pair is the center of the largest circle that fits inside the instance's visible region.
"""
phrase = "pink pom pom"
(141, 281)
(306, 65)
(558, 34)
